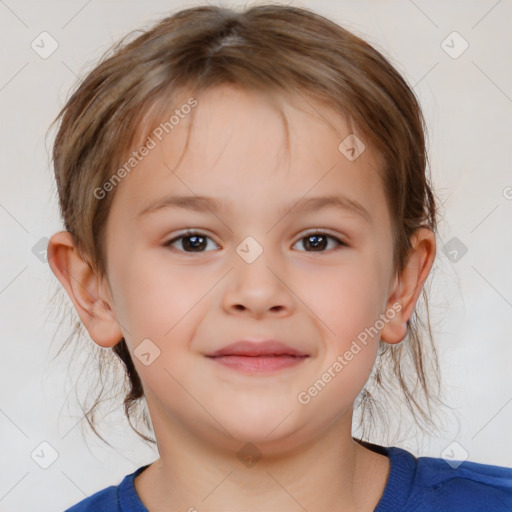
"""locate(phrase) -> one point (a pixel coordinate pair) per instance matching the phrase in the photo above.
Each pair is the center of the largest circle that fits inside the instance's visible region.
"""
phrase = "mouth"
(258, 357)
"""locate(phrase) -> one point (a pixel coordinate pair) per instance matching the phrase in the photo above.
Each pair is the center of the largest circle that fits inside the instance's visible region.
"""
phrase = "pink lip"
(258, 357)
(257, 348)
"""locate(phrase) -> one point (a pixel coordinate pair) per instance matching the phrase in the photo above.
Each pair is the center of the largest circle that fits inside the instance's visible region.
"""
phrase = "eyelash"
(190, 234)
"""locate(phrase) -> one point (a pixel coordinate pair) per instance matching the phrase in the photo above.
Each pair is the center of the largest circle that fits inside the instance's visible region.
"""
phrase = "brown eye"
(317, 242)
(196, 242)
(190, 242)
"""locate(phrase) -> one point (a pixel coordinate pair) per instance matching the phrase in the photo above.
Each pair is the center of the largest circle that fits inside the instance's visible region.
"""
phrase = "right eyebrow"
(196, 203)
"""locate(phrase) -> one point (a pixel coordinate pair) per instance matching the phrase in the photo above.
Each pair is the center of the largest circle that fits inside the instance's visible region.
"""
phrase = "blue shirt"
(424, 484)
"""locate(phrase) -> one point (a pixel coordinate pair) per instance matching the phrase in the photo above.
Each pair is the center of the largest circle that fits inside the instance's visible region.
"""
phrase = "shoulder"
(116, 498)
(427, 484)
(104, 500)
(468, 486)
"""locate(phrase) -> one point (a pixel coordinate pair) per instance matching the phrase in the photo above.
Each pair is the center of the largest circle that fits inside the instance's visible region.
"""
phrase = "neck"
(329, 472)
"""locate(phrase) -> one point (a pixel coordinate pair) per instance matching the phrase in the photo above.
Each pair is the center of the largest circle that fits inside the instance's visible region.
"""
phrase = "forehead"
(252, 149)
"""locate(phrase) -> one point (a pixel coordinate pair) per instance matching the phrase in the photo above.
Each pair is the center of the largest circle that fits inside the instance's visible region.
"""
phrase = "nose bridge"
(255, 258)
(256, 283)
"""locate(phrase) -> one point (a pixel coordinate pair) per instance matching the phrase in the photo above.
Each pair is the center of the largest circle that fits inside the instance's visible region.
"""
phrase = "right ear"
(89, 293)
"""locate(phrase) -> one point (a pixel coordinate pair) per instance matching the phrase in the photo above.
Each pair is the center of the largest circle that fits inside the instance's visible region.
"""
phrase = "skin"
(191, 303)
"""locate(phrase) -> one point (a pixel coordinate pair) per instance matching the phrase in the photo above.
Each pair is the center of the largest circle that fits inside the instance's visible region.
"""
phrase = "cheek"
(345, 298)
(346, 312)
(152, 297)
(344, 372)
(160, 304)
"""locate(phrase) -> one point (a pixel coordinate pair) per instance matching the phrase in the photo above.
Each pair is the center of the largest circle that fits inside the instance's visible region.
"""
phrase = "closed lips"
(268, 348)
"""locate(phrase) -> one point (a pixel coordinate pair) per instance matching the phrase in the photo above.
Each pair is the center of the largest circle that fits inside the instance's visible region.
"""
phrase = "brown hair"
(270, 48)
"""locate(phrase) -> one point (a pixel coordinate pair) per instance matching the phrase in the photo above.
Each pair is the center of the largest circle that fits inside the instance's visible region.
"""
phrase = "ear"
(407, 285)
(88, 292)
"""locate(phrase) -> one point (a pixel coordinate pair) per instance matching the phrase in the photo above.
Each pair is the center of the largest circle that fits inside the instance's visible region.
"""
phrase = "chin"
(260, 424)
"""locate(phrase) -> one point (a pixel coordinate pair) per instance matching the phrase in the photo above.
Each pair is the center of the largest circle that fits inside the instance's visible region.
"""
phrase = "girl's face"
(254, 270)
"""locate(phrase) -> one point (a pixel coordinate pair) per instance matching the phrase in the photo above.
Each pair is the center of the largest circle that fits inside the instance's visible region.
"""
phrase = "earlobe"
(407, 285)
(85, 290)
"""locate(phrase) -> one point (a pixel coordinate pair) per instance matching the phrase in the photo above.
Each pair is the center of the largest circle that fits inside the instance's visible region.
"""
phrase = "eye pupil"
(194, 242)
(316, 241)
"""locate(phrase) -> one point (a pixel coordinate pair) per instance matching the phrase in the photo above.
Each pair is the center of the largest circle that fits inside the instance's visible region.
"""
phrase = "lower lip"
(254, 364)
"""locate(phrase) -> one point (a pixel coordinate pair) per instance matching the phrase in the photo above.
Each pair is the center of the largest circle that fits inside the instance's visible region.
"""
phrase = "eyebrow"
(217, 205)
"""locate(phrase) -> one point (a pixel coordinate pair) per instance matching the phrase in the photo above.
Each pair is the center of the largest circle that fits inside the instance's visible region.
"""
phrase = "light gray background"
(467, 103)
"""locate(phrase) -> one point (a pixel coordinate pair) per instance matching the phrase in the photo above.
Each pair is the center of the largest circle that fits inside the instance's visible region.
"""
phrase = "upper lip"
(256, 348)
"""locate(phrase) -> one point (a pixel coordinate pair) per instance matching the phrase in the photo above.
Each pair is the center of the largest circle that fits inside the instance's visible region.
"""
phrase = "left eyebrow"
(204, 204)
(317, 203)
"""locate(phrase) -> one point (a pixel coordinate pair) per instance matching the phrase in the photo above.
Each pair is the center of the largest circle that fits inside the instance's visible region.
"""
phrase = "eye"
(194, 241)
(191, 241)
(318, 241)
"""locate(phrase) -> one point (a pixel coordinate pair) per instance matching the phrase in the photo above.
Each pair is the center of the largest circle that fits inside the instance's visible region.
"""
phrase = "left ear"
(408, 283)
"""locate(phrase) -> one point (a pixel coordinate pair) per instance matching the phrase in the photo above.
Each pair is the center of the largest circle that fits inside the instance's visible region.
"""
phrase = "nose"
(258, 288)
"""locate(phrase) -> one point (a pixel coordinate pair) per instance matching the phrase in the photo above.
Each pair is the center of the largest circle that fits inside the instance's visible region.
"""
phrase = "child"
(249, 225)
